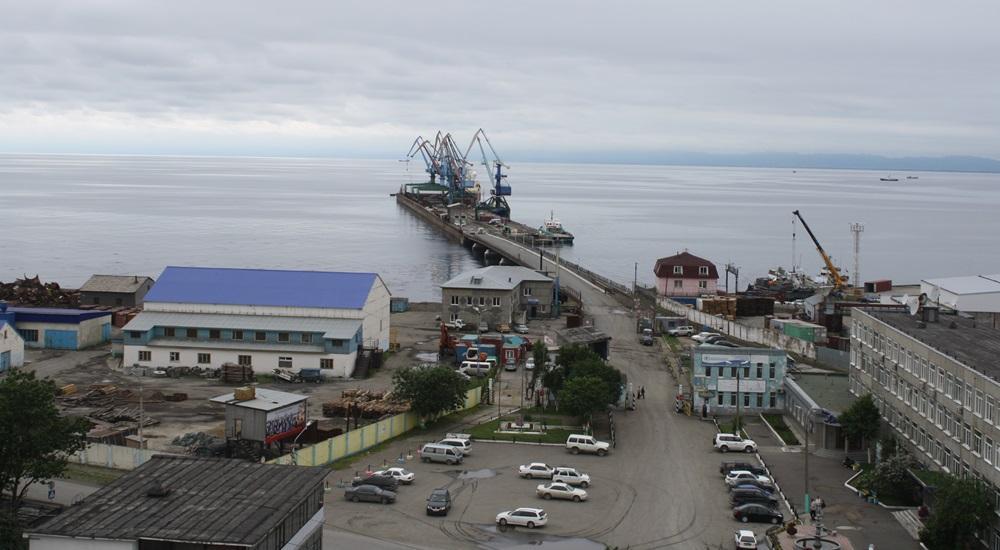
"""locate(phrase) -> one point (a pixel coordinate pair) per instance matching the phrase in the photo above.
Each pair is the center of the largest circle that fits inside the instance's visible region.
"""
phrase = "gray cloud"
(892, 77)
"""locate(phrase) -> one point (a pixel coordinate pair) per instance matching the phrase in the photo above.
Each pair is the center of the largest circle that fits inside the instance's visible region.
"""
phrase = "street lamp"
(809, 428)
(295, 455)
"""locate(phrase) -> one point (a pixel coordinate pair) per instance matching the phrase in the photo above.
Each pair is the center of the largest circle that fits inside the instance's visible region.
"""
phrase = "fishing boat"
(912, 177)
(888, 178)
(553, 229)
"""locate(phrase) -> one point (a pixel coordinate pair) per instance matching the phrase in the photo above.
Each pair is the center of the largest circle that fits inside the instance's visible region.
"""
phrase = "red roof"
(690, 263)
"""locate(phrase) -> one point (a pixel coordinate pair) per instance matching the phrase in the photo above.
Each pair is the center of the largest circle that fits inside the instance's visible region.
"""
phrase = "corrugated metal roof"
(495, 277)
(263, 287)
(266, 400)
(211, 500)
(114, 283)
(973, 284)
(54, 315)
(338, 329)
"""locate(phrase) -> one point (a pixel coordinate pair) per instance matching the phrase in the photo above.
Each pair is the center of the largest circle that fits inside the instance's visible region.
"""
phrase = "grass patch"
(488, 431)
(93, 475)
(931, 478)
(672, 342)
(777, 423)
(902, 496)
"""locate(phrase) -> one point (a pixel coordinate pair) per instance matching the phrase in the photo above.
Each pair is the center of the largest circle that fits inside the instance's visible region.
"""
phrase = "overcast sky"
(329, 78)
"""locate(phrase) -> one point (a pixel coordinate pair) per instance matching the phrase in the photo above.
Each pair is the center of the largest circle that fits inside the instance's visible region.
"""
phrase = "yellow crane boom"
(838, 280)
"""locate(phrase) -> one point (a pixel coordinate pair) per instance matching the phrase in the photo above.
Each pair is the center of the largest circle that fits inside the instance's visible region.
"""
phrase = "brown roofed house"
(685, 274)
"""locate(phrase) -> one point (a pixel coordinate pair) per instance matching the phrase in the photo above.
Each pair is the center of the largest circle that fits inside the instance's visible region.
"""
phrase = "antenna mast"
(857, 228)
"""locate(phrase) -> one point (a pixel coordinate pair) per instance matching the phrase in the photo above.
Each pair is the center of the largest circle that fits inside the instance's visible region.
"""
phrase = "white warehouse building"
(265, 319)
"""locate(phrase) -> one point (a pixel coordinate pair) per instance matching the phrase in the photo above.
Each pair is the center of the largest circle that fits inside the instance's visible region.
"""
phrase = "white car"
(736, 477)
(745, 540)
(560, 490)
(536, 469)
(733, 442)
(457, 441)
(527, 517)
(681, 331)
(402, 475)
(521, 329)
(570, 476)
(529, 364)
(701, 336)
(586, 443)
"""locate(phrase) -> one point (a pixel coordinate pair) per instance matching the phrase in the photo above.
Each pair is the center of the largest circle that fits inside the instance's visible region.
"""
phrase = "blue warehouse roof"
(262, 287)
(54, 315)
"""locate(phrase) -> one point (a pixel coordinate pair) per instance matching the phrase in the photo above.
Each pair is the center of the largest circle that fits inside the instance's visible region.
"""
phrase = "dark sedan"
(383, 482)
(439, 502)
(750, 498)
(727, 467)
(752, 484)
(759, 513)
(751, 490)
(369, 493)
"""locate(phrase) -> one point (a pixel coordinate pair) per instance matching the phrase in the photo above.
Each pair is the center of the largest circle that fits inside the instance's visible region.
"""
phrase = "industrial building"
(685, 274)
(115, 290)
(53, 328)
(11, 345)
(182, 502)
(262, 415)
(813, 401)
(978, 295)
(935, 379)
(497, 294)
(265, 319)
(724, 379)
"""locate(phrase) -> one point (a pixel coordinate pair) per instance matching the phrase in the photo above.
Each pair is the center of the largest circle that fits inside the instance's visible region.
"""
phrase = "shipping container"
(881, 285)
(398, 304)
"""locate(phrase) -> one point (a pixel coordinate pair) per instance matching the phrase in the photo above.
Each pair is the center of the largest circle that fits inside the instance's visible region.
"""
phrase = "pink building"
(685, 274)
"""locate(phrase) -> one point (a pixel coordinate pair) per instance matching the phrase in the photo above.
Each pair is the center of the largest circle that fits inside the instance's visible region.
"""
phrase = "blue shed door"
(4, 361)
(60, 339)
(105, 332)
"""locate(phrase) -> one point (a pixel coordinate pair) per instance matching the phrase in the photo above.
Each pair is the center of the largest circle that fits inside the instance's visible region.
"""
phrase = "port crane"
(839, 282)
(446, 165)
(496, 204)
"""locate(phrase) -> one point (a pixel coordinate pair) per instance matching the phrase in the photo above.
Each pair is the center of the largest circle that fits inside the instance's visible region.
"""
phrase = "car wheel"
(355, 499)
(774, 521)
(601, 452)
(584, 485)
(576, 498)
(382, 500)
(547, 496)
(724, 449)
(425, 459)
(451, 462)
(745, 519)
(749, 449)
(503, 522)
(529, 476)
(531, 525)
(575, 450)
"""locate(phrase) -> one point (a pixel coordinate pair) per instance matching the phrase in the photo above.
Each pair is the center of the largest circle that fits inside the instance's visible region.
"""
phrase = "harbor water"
(67, 217)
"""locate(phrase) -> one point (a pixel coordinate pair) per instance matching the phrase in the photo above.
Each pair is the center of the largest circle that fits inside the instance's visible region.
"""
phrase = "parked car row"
(564, 483)
(751, 495)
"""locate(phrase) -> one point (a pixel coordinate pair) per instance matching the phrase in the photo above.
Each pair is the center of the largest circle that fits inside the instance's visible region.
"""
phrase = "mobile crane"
(839, 282)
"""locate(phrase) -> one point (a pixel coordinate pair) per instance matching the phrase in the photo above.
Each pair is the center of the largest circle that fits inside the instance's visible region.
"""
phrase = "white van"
(474, 368)
(433, 452)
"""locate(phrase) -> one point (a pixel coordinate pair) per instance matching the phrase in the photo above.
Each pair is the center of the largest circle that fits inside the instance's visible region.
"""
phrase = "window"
(702, 284)
(306, 338)
(773, 399)
(990, 408)
(746, 372)
(732, 399)
(746, 399)
(969, 396)
(678, 284)
(145, 355)
(237, 335)
(760, 400)
(760, 370)
(468, 300)
(967, 433)
(977, 442)
(527, 291)
(678, 270)
(326, 363)
(244, 360)
(454, 300)
(135, 334)
(283, 337)
(770, 371)
(721, 395)
(703, 270)
(168, 332)
(979, 402)
(708, 371)
(260, 336)
(454, 316)
(192, 333)
(284, 362)
(214, 334)
(175, 356)
(204, 358)
(496, 301)
(482, 300)
(732, 372)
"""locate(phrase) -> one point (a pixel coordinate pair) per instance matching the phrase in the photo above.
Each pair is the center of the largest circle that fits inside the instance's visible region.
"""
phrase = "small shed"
(262, 415)
(115, 290)
(597, 341)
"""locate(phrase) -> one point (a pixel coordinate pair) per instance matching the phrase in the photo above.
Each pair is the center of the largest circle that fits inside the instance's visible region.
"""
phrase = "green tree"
(554, 378)
(860, 422)
(570, 356)
(431, 392)
(35, 441)
(962, 508)
(891, 477)
(582, 395)
(540, 353)
(595, 367)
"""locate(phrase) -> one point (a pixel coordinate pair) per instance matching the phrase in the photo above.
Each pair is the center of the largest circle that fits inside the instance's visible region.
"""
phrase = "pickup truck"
(456, 324)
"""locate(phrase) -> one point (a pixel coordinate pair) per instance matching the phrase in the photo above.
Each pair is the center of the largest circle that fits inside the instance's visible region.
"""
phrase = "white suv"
(733, 442)
(458, 441)
(681, 331)
(586, 443)
(570, 476)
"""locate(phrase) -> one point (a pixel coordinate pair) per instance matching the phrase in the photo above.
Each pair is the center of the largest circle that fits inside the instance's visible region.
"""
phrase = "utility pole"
(739, 400)
(141, 444)
(857, 229)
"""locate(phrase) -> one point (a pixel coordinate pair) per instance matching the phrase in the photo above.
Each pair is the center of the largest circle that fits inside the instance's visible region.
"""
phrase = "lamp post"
(809, 428)
(295, 455)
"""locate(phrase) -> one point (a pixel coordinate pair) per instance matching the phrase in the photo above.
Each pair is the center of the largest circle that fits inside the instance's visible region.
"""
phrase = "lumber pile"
(236, 374)
(33, 292)
(115, 415)
(371, 404)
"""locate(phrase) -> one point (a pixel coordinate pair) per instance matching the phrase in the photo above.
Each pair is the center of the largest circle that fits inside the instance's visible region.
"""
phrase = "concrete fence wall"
(113, 456)
(767, 337)
(356, 441)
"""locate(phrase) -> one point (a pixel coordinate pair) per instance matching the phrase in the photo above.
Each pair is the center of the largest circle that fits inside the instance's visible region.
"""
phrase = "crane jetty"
(452, 199)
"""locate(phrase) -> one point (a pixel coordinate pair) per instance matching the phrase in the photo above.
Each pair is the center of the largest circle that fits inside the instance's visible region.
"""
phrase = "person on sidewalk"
(813, 507)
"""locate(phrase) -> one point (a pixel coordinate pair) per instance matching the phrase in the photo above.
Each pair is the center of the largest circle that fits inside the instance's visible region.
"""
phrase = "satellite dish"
(912, 303)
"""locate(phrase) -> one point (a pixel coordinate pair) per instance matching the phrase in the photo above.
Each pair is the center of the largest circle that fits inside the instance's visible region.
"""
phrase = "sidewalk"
(862, 523)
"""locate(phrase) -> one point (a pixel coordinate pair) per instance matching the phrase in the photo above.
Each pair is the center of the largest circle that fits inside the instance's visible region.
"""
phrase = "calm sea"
(67, 217)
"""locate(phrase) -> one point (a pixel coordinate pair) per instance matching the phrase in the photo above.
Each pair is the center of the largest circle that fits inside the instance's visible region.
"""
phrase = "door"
(105, 332)
(60, 339)
(4, 361)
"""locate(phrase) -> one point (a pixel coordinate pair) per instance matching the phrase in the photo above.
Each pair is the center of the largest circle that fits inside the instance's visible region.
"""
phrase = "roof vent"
(157, 490)
(476, 279)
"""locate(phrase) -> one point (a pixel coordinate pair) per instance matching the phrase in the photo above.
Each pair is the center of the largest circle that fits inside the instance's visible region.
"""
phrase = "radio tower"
(857, 228)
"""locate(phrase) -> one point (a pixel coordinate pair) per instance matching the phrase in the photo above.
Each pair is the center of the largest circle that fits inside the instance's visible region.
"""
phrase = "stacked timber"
(235, 374)
(365, 403)
(725, 307)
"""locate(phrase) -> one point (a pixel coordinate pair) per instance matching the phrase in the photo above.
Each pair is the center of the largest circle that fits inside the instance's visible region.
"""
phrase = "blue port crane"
(446, 165)
(496, 203)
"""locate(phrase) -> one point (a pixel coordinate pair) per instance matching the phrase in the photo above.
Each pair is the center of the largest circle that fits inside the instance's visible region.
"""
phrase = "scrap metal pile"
(371, 404)
(32, 292)
(201, 444)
